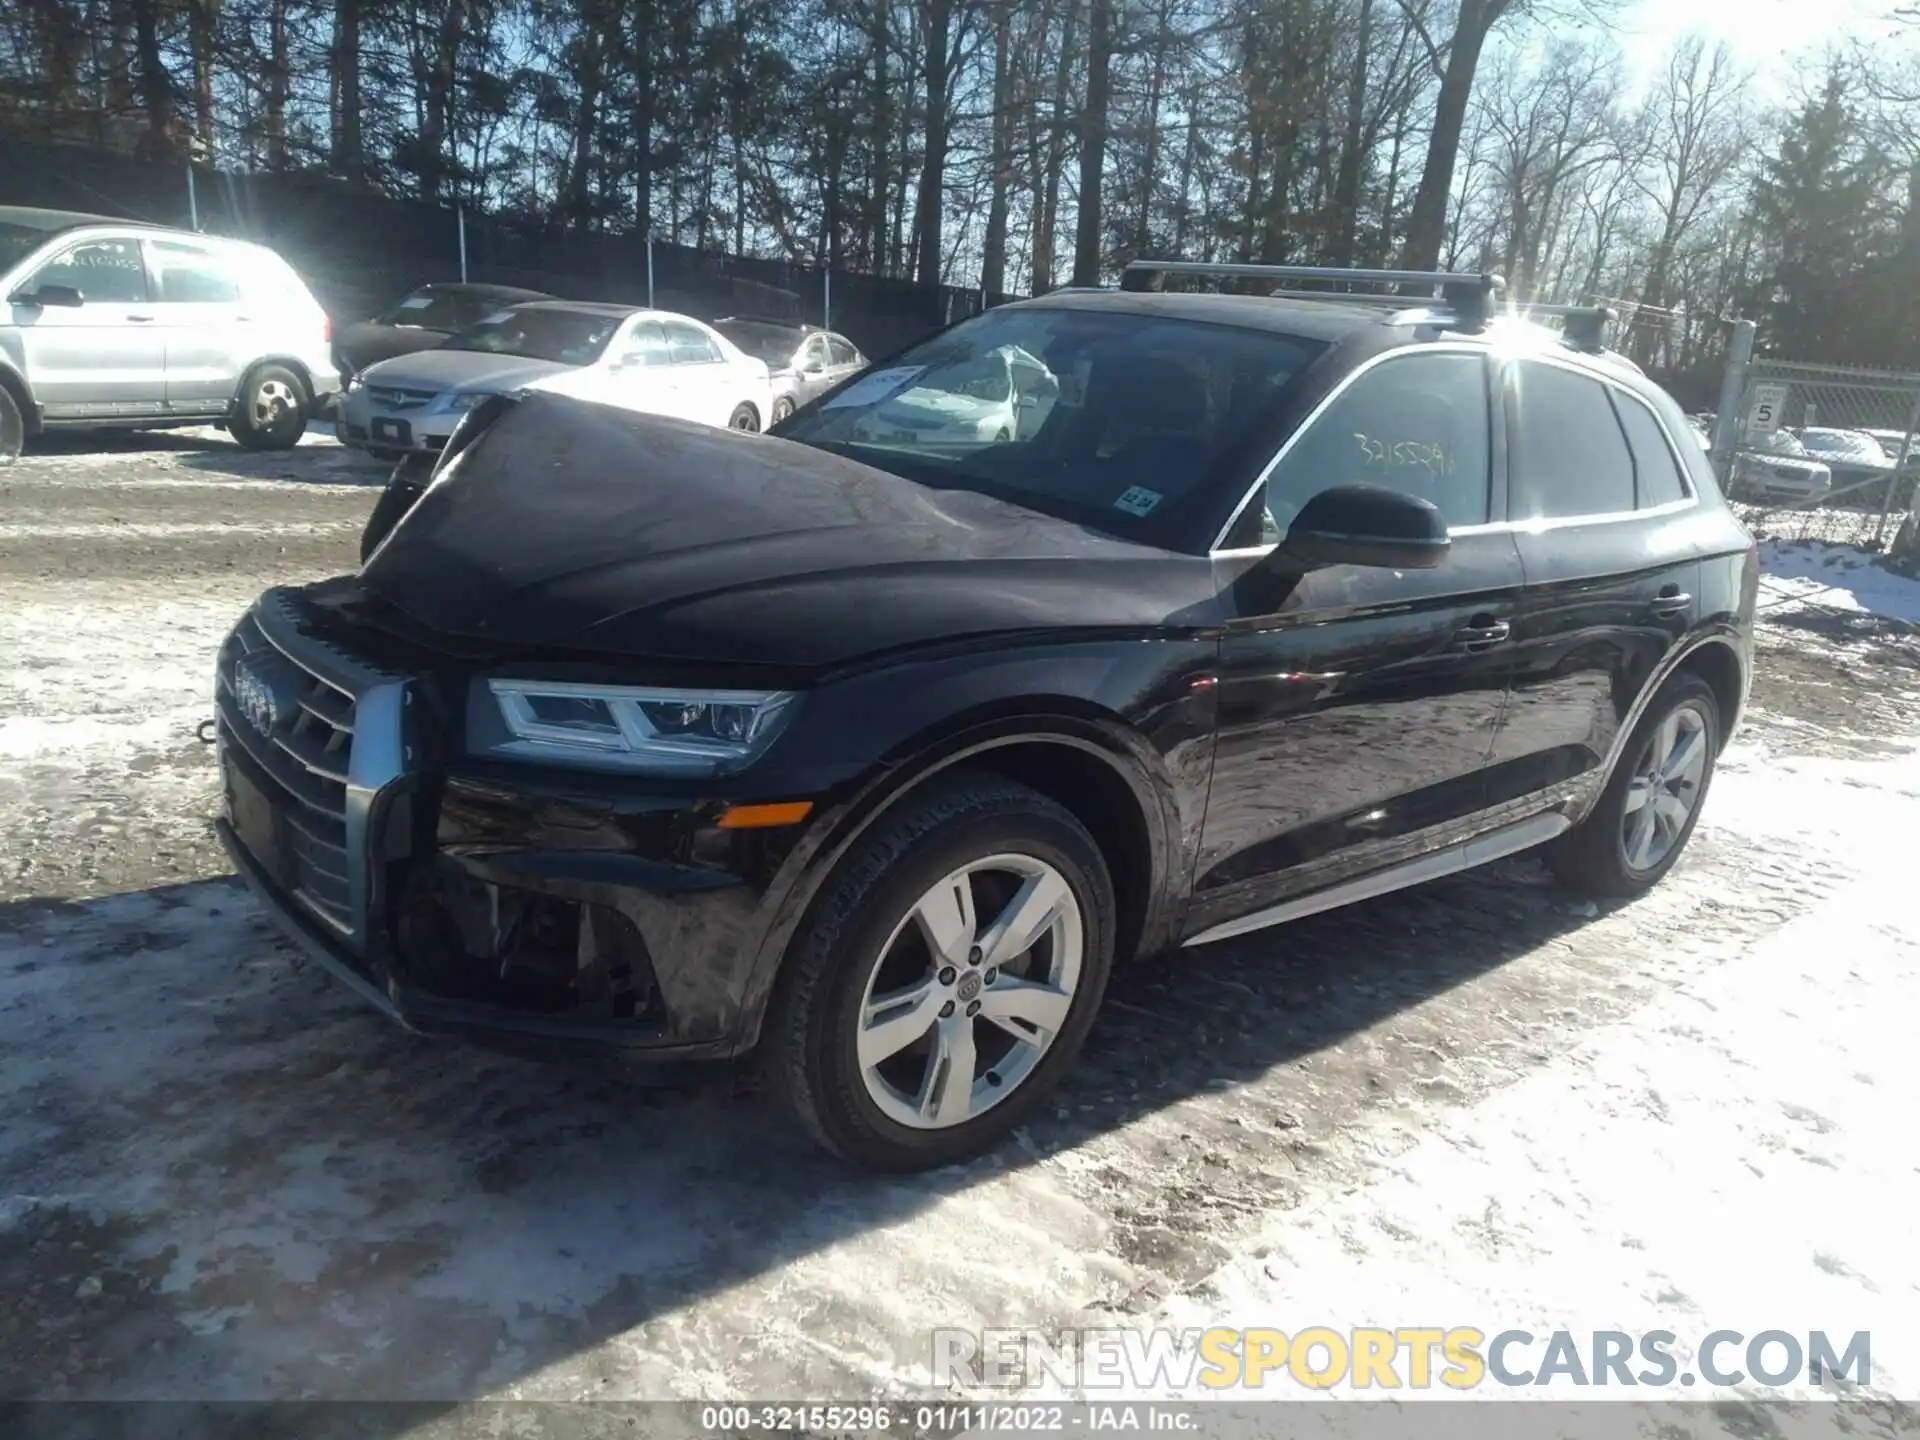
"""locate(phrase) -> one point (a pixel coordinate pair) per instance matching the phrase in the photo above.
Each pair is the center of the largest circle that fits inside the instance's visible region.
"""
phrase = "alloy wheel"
(274, 404)
(970, 991)
(1665, 787)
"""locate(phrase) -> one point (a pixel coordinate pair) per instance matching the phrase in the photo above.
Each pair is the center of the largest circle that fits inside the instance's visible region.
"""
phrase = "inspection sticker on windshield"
(416, 302)
(1137, 500)
(871, 388)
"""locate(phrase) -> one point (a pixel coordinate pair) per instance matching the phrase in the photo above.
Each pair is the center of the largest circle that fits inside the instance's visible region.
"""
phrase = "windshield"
(1119, 421)
(570, 337)
(17, 242)
(774, 344)
(431, 310)
(1831, 442)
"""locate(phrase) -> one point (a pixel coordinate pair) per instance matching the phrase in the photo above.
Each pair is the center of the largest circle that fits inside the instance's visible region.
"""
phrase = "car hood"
(369, 342)
(460, 369)
(589, 529)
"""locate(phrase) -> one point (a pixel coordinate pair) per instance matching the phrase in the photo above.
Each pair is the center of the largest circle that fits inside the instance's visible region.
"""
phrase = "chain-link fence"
(1825, 453)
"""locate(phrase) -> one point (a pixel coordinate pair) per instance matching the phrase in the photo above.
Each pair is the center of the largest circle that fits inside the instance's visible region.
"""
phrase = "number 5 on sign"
(1769, 401)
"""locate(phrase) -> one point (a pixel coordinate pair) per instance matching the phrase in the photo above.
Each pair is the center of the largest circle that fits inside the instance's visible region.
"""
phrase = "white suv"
(110, 323)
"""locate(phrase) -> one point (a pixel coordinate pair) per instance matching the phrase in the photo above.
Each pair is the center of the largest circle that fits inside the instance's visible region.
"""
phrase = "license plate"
(397, 430)
(257, 823)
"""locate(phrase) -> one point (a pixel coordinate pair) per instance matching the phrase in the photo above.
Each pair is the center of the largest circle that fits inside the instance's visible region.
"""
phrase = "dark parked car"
(872, 756)
(420, 320)
(804, 362)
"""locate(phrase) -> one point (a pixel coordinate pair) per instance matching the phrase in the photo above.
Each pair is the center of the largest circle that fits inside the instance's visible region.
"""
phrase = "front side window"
(814, 356)
(1568, 457)
(1136, 424)
(101, 270)
(1418, 424)
(188, 275)
(567, 337)
(1658, 480)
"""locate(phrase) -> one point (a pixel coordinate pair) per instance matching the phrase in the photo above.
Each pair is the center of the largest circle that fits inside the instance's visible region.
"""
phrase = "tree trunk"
(155, 85)
(438, 98)
(642, 116)
(1346, 185)
(203, 16)
(1046, 223)
(1427, 222)
(993, 257)
(278, 74)
(930, 204)
(881, 139)
(1150, 147)
(1088, 246)
(349, 150)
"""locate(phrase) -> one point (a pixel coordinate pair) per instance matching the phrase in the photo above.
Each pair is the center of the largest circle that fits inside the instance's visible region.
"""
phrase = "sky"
(1781, 40)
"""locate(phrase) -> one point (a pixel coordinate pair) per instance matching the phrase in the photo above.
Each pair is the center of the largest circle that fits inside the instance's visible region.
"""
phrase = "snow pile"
(1836, 576)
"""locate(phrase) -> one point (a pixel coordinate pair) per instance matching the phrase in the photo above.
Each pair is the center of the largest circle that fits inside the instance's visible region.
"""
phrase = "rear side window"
(1656, 472)
(101, 270)
(1418, 425)
(841, 352)
(1569, 457)
(188, 275)
(647, 345)
(690, 347)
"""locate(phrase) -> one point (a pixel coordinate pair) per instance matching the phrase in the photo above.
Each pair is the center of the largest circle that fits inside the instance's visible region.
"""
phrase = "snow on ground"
(1837, 576)
(1471, 1104)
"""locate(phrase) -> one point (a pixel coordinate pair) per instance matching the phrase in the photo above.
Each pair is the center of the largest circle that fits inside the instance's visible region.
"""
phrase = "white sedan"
(647, 360)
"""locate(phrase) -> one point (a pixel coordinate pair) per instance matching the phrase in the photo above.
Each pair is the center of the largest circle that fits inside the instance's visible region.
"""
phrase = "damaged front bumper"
(534, 911)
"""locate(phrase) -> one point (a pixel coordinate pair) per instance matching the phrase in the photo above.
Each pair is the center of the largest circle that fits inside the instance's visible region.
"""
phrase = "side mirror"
(1366, 525)
(63, 297)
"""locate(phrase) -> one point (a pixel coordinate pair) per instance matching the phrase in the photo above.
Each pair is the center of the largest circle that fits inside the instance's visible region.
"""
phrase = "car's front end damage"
(572, 782)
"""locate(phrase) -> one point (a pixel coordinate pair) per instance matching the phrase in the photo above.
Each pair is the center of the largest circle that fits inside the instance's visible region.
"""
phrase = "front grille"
(321, 728)
(395, 398)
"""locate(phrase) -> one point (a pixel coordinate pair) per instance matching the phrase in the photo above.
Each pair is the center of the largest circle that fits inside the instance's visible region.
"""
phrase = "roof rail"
(1470, 293)
(1584, 326)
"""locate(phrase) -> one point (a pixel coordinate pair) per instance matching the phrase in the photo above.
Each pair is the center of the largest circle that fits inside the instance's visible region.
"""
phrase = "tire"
(744, 417)
(864, 936)
(270, 412)
(13, 427)
(1598, 858)
(782, 408)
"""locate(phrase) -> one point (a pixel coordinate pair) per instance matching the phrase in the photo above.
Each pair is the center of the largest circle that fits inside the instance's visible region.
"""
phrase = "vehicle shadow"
(317, 460)
(284, 1195)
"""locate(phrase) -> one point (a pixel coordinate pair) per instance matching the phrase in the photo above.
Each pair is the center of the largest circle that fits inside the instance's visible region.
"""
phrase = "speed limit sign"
(1769, 403)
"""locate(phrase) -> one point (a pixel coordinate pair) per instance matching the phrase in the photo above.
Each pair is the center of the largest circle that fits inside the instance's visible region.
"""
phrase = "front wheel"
(1646, 815)
(744, 417)
(271, 410)
(13, 428)
(782, 408)
(946, 978)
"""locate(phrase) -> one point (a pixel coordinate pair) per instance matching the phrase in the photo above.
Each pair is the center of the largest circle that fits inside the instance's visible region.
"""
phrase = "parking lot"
(221, 1178)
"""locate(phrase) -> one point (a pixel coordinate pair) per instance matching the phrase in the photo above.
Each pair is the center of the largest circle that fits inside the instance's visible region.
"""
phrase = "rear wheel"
(744, 417)
(13, 427)
(946, 978)
(1646, 815)
(271, 412)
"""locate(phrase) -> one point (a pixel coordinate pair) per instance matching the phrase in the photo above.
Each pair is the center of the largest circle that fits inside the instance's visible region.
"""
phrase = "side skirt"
(1466, 855)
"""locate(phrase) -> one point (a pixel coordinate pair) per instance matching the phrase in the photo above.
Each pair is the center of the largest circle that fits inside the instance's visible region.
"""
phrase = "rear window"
(1570, 456)
(1656, 472)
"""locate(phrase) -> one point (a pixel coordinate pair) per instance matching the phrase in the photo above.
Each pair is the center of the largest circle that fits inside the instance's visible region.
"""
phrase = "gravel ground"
(221, 1178)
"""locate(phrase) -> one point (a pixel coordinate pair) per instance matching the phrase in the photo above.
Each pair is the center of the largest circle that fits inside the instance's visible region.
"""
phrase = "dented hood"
(583, 527)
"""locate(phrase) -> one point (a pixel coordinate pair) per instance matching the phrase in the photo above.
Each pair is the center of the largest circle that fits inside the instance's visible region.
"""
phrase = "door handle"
(1482, 632)
(1670, 601)
(141, 319)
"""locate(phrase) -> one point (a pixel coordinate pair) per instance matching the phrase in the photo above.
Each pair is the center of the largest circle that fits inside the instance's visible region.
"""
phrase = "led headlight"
(618, 727)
